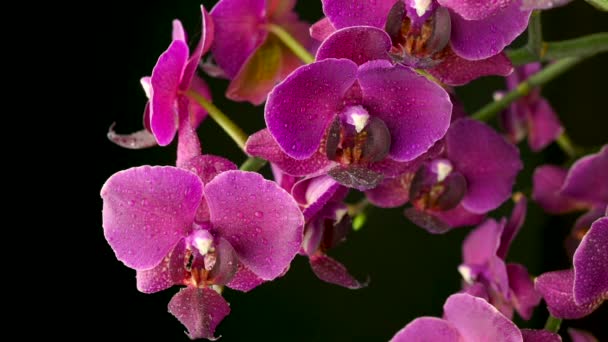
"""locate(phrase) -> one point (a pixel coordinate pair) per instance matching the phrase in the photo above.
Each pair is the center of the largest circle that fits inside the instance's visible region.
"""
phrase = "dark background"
(411, 271)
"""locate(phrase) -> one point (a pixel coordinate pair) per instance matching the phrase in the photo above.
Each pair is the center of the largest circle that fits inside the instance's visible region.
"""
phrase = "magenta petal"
(514, 224)
(143, 223)
(426, 329)
(524, 296)
(415, 110)
(333, 272)
(239, 31)
(261, 221)
(344, 13)
(581, 336)
(547, 183)
(477, 320)
(391, 193)
(201, 48)
(459, 217)
(556, 289)
(300, 109)
(315, 193)
(480, 246)
(480, 39)
(166, 76)
(262, 144)
(199, 310)
(488, 162)
(135, 141)
(208, 166)
(475, 9)
(591, 265)
(244, 280)
(322, 29)
(188, 143)
(226, 263)
(169, 272)
(586, 180)
(360, 44)
(531, 335)
(543, 126)
(455, 70)
(543, 4)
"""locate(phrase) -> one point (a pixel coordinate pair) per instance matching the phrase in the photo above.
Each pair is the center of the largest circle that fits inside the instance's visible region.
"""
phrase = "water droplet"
(259, 214)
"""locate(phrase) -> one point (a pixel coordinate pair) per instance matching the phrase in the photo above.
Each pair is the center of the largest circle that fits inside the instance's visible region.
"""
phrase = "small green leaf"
(359, 221)
(602, 5)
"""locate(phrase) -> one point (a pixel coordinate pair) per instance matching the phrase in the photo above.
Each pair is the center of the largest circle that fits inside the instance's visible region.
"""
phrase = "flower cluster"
(359, 104)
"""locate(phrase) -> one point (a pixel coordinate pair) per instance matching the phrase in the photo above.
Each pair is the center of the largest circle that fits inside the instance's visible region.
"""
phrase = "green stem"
(567, 146)
(535, 35)
(291, 43)
(547, 74)
(553, 324)
(578, 47)
(253, 164)
(601, 5)
(234, 131)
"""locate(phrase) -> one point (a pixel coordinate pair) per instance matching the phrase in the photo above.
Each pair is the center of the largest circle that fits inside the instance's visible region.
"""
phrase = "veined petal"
(260, 220)
(591, 265)
(333, 272)
(556, 289)
(488, 162)
(360, 44)
(344, 13)
(391, 193)
(169, 272)
(531, 335)
(166, 76)
(262, 144)
(480, 39)
(208, 30)
(524, 296)
(322, 29)
(455, 70)
(586, 180)
(477, 320)
(199, 310)
(428, 329)
(147, 210)
(415, 110)
(239, 31)
(475, 9)
(135, 141)
(300, 109)
(244, 279)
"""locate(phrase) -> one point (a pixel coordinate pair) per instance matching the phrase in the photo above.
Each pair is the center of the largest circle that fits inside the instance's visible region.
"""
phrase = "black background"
(411, 271)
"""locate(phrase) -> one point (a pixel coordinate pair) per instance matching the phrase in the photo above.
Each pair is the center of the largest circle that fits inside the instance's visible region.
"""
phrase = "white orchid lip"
(421, 6)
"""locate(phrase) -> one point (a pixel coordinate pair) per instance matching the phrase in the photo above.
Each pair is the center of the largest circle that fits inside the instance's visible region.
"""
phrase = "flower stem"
(553, 324)
(291, 43)
(234, 131)
(535, 35)
(578, 47)
(253, 164)
(567, 146)
(547, 74)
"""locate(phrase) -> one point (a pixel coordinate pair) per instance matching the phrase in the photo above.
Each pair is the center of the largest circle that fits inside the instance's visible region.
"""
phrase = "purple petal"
(135, 141)
(548, 181)
(260, 220)
(258, 74)
(543, 126)
(581, 336)
(322, 29)
(208, 30)
(300, 109)
(586, 180)
(477, 320)
(199, 310)
(333, 272)
(360, 44)
(188, 143)
(226, 263)
(480, 246)
(543, 4)
(262, 144)
(244, 280)
(147, 210)
(415, 110)
(525, 297)
(315, 193)
(539, 336)
(166, 76)
(391, 193)
(344, 13)
(169, 272)
(475, 9)
(480, 39)
(198, 113)
(591, 265)
(425, 329)
(239, 30)
(514, 224)
(358, 177)
(459, 217)
(426, 220)
(455, 70)
(488, 162)
(581, 227)
(556, 289)
(178, 32)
